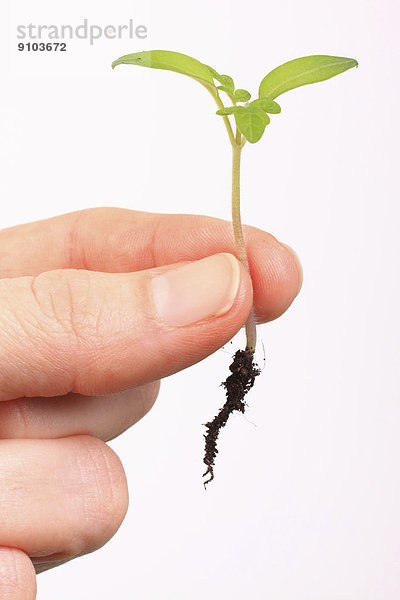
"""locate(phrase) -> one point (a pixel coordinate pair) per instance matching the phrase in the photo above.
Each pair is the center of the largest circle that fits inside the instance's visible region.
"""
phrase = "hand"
(95, 307)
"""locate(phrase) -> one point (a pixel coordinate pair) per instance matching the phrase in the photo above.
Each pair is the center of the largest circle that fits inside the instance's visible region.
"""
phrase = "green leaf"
(228, 110)
(242, 95)
(301, 71)
(251, 122)
(214, 73)
(227, 82)
(171, 61)
(225, 89)
(266, 105)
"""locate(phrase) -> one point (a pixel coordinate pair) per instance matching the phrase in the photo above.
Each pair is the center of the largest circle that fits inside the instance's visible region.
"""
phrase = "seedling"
(251, 119)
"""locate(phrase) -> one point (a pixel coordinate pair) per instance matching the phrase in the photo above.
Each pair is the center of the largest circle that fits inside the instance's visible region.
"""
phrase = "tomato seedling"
(251, 119)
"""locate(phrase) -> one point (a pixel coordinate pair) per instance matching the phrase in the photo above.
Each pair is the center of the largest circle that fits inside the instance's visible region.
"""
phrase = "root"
(244, 371)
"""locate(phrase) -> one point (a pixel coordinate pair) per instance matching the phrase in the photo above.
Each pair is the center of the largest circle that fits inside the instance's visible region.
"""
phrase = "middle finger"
(103, 417)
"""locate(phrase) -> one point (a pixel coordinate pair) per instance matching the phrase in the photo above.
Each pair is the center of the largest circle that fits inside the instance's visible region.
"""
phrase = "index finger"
(117, 240)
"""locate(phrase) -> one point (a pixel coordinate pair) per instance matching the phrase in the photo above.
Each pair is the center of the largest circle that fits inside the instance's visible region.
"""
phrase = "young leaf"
(227, 82)
(171, 61)
(301, 71)
(214, 73)
(266, 105)
(242, 95)
(228, 110)
(251, 122)
(225, 89)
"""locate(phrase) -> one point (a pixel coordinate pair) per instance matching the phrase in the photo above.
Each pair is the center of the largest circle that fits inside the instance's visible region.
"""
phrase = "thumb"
(95, 333)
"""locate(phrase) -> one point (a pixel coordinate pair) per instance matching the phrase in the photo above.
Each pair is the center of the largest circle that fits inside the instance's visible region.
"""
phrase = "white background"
(305, 505)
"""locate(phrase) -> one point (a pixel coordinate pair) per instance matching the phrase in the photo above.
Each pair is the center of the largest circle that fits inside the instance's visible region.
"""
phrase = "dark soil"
(244, 371)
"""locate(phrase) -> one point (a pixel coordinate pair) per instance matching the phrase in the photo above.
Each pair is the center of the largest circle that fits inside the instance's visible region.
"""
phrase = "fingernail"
(298, 264)
(196, 291)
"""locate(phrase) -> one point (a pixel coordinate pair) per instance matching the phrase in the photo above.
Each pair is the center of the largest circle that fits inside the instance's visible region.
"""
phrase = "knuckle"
(67, 303)
(32, 305)
(41, 323)
(55, 298)
(63, 317)
(71, 302)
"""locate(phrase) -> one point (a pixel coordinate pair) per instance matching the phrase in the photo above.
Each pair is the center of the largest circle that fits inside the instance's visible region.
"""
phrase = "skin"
(66, 387)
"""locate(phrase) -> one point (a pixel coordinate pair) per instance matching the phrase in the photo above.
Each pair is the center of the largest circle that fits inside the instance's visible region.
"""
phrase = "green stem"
(251, 331)
(237, 143)
(238, 137)
(214, 93)
(226, 120)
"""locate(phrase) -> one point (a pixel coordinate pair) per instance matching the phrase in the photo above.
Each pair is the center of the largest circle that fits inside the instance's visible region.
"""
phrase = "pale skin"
(82, 351)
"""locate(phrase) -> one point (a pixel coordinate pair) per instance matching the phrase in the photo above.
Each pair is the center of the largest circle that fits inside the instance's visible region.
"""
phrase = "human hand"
(87, 329)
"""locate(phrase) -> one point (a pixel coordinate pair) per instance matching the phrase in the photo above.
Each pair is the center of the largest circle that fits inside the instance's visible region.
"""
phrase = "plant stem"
(251, 332)
(237, 143)
(214, 93)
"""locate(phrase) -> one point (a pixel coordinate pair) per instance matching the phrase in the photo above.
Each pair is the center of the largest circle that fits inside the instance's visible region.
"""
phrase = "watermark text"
(83, 31)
